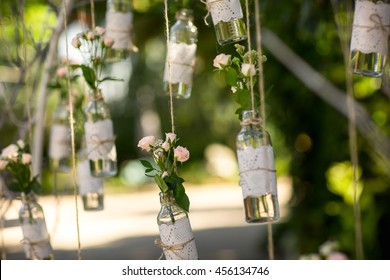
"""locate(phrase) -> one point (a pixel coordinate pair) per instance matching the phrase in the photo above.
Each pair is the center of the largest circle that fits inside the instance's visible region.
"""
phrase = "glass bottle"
(99, 137)
(91, 189)
(370, 33)
(36, 239)
(177, 239)
(119, 25)
(228, 20)
(182, 49)
(257, 171)
(59, 145)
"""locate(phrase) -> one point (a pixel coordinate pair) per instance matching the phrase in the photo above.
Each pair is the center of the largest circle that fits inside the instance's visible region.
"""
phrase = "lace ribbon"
(33, 245)
(172, 248)
(208, 6)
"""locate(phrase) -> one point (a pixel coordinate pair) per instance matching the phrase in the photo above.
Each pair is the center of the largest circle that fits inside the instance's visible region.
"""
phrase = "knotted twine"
(172, 248)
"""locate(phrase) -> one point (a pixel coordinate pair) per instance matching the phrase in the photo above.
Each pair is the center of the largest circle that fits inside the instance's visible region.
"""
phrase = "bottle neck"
(185, 15)
(167, 198)
(95, 95)
(28, 197)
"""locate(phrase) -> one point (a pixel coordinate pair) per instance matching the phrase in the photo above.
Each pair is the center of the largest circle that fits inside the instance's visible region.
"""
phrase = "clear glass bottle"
(177, 239)
(91, 189)
(36, 239)
(257, 171)
(228, 20)
(370, 33)
(119, 26)
(182, 52)
(60, 145)
(99, 137)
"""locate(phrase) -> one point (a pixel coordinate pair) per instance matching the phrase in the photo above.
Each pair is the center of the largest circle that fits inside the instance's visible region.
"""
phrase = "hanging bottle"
(119, 25)
(257, 171)
(60, 145)
(177, 239)
(228, 20)
(91, 189)
(370, 33)
(99, 137)
(36, 238)
(180, 62)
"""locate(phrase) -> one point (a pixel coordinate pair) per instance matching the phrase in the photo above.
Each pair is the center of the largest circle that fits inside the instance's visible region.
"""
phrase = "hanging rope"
(93, 14)
(271, 253)
(352, 134)
(169, 65)
(72, 134)
(248, 31)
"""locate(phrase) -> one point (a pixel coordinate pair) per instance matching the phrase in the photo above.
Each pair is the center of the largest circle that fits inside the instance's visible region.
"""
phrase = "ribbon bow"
(172, 248)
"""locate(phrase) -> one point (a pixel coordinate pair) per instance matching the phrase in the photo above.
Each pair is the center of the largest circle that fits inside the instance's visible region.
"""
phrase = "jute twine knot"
(208, 6)
(97, 143)
(378, 24)
(172, 248)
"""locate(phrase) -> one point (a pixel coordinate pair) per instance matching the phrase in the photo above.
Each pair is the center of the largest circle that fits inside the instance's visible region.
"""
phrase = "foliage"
(241, 75)
(93, 47)
(166, 154)
(16, 159)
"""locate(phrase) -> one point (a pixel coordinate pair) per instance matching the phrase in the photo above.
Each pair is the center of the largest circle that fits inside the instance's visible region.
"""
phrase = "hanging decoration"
(91, 189)
(370, 33)
(16, 159)
(181, 55)
(176, 235)
(60, 153)
(99, 131)
(228, 20)
(119, 27)
(254, 150)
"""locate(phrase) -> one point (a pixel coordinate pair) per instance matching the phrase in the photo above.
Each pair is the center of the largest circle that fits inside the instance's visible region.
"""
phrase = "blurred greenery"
(310, 137)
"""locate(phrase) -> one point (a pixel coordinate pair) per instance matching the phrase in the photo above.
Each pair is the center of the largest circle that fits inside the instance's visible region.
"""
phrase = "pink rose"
(10, 151)
(337, 256)
(61, 72)
(146, 142)
(181, 154)
(90, 35)
(76, 42)
(165, 146)
(108, 42)
(248, 69)
(170, 136)
(222, 60)
(100, 30)
(3, 164)
(26, 158)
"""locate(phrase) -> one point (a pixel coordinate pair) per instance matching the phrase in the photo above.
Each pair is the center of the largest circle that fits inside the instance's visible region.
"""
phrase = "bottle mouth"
(185, 14)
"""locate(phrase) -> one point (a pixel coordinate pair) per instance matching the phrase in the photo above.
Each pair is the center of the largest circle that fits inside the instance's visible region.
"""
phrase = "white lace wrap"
(100, 140)
(224, 10)
(257, 171)
(371, 27)
(88, 183)
(118, 27)
(178, 240)
(182, 59)
(36, 239)
(59, 141)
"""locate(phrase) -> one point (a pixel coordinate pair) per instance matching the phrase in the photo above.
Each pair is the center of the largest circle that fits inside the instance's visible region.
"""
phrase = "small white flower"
(234, 89)
(20, 143)
(26, 158)
(165, 146)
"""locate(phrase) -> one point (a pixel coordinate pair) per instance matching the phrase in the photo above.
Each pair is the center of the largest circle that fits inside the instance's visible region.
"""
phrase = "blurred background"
(309, 133)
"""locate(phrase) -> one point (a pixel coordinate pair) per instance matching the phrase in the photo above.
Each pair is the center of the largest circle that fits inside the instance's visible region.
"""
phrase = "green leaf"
(183, 201)
(146, 163)
(231, 77)
(110, 79)
(88, 73)
(161, 183)
(15, 187)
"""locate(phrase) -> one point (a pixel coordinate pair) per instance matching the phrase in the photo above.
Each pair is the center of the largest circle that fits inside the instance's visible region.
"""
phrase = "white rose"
(248, 69)
(222, 60)
(10, 151)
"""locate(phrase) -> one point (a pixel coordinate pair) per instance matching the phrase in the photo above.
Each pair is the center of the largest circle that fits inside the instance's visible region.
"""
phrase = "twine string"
(208, 4)
(72, 136)
(93, 14)
(248, 31)
(169, 65)
(378, 25)
(172, 248)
